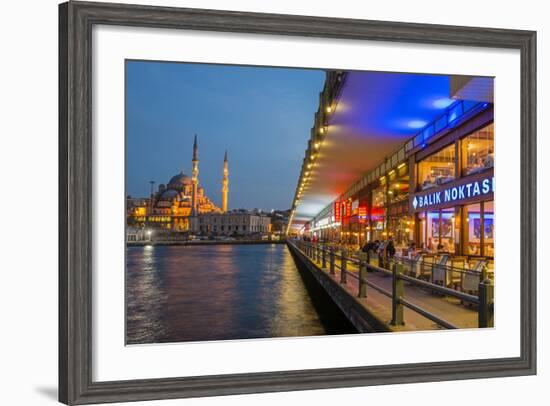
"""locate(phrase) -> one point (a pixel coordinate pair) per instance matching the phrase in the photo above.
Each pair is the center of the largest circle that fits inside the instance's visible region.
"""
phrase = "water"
(220, 292)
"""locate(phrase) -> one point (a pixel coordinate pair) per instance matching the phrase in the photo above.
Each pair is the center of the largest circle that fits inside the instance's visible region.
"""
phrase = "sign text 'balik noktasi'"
(453, 194)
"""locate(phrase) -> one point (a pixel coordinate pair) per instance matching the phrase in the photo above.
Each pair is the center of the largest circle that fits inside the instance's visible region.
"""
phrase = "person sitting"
(430, 245)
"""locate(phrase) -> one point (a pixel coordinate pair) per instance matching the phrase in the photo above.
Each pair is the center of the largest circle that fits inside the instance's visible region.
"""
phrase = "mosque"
(172, 206)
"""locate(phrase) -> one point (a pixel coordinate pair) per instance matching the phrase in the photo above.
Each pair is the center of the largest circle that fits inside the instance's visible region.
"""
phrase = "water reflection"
(216, 292)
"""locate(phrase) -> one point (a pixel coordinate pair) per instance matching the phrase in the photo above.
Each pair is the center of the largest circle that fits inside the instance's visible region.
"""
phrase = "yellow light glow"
(321, 130)
(401, 165)
(391, 172)
(317, 145)
(329, 109)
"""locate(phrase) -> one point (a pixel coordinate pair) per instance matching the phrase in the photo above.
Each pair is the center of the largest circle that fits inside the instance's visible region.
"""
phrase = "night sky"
(262, 116)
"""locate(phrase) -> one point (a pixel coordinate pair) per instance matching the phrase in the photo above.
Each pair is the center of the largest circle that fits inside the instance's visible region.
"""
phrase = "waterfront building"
(134, 234)
(429, 181)
(175, 202)
(232, 223)
(279, 221)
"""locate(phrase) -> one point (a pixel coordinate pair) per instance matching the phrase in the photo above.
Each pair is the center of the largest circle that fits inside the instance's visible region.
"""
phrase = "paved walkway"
(447, 308)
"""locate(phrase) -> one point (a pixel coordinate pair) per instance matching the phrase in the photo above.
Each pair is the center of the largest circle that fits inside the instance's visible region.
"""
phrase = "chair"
(458, 264)
(439, 274)
(470, 282)
(415, 265)
(471, 279)
(426, 266)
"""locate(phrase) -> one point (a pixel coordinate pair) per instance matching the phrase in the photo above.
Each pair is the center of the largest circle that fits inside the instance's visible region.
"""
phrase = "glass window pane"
(472, 229)
(432, 230)
(400, 229)
(489, 228)
(447, 243)
(378, 213)
(437, 169)
(478, 151)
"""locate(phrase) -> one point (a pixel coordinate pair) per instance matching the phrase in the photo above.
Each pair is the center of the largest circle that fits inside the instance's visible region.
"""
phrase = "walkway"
(445, 307)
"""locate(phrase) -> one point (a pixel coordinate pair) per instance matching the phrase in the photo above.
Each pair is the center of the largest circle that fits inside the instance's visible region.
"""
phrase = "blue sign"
(455, 193)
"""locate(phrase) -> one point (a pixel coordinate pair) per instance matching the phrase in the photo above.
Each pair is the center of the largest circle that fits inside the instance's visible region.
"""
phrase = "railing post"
(324, 257)
(397, 294)
(317, 253)
(486, 307)
(363, 260)
(331, 260)
(343, 267)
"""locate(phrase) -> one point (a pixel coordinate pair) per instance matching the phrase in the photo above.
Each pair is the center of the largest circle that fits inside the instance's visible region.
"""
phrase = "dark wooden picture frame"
(76, 20)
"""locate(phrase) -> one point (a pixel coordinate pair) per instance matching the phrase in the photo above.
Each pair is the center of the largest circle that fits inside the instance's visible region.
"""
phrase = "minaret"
(195, 177)
(225, 183)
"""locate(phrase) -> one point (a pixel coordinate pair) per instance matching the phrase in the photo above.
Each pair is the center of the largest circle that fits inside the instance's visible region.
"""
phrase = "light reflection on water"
(215, 292)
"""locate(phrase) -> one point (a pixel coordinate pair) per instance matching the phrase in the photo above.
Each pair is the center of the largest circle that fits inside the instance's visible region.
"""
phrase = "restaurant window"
(423, 232)
(478, 151)
(437, 230)
(437, 169)
(489, 229)
(446, 241)
(479, 229)
(472, 232)
(378, 213)
(399, 190)
(400, 228)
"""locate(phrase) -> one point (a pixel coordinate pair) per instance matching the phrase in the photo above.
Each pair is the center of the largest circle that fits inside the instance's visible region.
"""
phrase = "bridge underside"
(376, 113)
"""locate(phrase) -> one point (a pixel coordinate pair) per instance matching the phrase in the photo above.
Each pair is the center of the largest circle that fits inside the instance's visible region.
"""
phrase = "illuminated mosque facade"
(173, 205)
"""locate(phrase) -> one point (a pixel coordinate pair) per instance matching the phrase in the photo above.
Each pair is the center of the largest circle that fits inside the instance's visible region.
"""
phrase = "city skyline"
(261, 116)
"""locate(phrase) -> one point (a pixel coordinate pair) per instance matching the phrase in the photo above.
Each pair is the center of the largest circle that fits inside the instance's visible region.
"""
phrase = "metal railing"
(453, 114)
(335, 258)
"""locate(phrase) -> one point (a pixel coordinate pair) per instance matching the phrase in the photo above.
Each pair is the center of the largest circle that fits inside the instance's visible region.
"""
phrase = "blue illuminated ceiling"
(376, 113)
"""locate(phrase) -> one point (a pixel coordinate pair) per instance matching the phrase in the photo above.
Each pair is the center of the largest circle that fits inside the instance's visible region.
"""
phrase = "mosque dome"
(168, 195)
(179, 180)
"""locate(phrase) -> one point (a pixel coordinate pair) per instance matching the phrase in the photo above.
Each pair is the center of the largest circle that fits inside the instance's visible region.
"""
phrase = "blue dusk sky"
(262, 116)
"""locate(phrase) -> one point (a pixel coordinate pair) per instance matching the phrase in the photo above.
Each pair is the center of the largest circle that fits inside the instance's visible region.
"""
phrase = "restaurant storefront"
(435, 197)
(399, 221)
(378, 213)
(453, 206)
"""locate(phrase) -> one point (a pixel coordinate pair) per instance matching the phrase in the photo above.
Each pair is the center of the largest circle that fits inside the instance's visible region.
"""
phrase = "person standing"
(389, 248)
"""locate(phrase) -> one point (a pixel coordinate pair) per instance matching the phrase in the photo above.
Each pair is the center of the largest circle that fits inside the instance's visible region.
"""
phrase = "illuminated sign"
(455, 193)
(347, 212)
(337, 212)
(362, 213)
